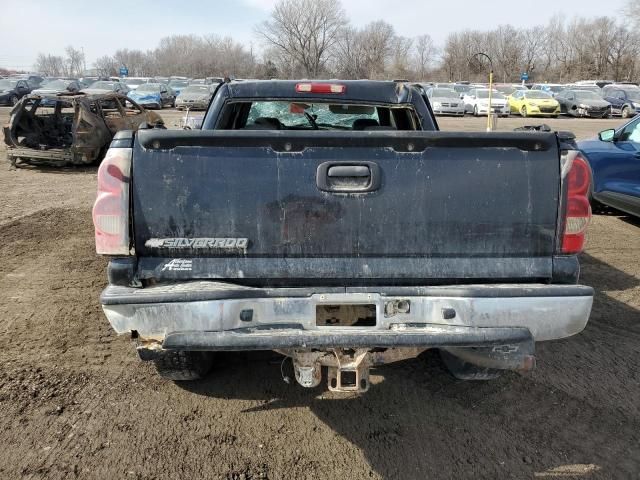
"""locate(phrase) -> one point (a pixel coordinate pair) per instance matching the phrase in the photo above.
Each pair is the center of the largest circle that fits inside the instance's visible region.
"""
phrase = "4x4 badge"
(178, 265)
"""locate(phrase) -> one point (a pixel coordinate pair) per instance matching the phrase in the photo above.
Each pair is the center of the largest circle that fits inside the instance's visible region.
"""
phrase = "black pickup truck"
(332, 222)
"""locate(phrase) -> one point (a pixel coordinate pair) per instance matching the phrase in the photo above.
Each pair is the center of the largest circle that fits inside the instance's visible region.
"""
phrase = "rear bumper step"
(431, 336)
(214, 315)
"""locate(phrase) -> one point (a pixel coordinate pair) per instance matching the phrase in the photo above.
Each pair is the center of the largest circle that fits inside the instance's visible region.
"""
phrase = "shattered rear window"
(292, 114)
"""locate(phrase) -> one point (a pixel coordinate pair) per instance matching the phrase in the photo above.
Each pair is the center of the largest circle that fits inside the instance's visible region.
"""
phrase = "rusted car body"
(73, 129)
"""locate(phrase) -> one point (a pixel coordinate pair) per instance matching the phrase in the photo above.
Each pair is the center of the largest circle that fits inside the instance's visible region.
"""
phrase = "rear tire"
(14, 99)
(181, 365)
(475, 111)
(467, 371)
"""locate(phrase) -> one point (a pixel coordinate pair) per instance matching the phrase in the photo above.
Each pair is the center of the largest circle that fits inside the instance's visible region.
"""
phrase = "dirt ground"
(75, 402)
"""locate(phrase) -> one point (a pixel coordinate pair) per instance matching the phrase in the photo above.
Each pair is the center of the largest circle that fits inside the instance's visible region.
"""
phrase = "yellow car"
(533, 103)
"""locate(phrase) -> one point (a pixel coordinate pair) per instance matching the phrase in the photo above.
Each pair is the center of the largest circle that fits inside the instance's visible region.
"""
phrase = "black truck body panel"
(448, 205)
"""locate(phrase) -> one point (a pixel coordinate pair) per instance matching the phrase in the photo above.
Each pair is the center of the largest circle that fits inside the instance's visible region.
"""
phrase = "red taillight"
(313, 87)
(111, 209)
(578, 208)
(579, 177)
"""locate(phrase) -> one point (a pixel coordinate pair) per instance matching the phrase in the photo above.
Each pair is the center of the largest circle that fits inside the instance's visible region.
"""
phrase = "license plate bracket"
(346, 315)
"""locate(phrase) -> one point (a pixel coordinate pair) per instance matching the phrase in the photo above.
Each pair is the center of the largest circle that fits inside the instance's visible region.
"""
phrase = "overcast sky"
(28, 27)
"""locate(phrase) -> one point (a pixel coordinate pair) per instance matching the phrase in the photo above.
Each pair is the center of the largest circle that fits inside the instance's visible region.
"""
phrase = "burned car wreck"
(70, 129)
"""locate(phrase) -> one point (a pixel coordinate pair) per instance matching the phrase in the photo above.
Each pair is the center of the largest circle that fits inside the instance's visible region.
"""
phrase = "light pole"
(482, 54)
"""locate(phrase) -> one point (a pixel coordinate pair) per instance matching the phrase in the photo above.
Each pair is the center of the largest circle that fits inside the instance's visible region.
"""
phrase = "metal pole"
(489, 118)
(489, 126)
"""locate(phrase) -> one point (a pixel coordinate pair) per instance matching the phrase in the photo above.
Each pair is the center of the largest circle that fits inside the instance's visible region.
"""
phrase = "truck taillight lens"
(111, 209)
(315, 87)
(578, 208)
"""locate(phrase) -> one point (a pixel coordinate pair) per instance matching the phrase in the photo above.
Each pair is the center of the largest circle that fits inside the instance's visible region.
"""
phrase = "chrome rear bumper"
(220, 316)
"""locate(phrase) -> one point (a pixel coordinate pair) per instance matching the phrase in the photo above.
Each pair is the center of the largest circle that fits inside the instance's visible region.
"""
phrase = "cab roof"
(355, 90)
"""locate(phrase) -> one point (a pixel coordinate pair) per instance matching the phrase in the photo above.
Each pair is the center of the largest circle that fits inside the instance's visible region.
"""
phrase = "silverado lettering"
(229, 243)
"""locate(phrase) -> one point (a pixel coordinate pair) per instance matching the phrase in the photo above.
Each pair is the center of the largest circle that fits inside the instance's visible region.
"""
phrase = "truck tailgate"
(399, 205)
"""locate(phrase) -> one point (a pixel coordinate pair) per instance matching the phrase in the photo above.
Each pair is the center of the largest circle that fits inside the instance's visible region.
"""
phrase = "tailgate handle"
(348, 177)
(349, 171)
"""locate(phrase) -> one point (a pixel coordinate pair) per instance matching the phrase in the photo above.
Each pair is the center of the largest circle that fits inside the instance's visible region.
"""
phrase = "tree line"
(314, 39)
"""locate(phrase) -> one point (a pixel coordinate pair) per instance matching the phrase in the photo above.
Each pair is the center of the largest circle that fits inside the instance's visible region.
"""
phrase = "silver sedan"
(445, 101)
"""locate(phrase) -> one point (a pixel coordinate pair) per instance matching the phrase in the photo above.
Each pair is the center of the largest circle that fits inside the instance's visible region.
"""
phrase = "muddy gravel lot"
(75, 402)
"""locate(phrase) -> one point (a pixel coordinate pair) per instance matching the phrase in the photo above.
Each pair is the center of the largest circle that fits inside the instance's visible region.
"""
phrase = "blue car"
(624, 99)
(153, 95)
(614, 158)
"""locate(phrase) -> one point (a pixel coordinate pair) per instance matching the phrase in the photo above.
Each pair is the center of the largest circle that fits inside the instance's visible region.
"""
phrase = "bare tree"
(377, 42)
(74, 62)
(506, 46)
(425, 52)
(304, 30)
(624, 53)
(308, 38)
(138, 63)
(631, 10)
(367, 53)
(106, 66)
(400, 57)
(347, 54)
(533, 43)
(50, 65)
(458, 51)
(182, 55)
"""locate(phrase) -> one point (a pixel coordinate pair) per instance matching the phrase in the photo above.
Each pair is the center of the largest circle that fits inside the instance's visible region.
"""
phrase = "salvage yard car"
(12, 90)
(551, 88)
(196, 97)
(529, 103)
(445, 101)
(70, 129)
(624, 99)
(59, 85)
(331, 222)
(476, 101)
(106, 86)
(177, 85)
(614, 158)
(134, 82)
(583, 103)
(509, 88)
(154, 95)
